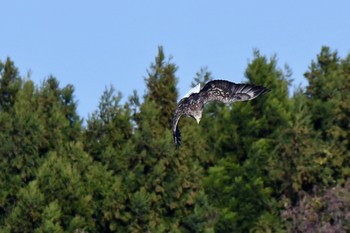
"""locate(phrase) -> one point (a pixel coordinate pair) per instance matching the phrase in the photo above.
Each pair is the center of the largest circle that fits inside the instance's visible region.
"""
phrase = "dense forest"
(279, 163)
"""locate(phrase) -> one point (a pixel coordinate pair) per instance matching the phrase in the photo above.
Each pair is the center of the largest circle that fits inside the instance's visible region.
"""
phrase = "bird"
(224, 91)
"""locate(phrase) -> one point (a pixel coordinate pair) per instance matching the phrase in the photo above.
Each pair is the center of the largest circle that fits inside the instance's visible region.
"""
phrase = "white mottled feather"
(196, 89)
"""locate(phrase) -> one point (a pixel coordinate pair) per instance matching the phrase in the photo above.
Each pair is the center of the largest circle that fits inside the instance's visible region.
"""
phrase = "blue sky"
(93, 45)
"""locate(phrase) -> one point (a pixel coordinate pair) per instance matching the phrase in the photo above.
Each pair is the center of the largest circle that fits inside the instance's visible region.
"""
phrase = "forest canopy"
(279, 163)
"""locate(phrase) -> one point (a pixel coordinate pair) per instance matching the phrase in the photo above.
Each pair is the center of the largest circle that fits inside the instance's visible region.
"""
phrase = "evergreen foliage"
(9, 84)
(161, 87)
(278, 163)
(244, 139)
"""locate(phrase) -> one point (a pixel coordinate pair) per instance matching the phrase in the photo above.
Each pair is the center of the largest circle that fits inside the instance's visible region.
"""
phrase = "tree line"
(279, 163)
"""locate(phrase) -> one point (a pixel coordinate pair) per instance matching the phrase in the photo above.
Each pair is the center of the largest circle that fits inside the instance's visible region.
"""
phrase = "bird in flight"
(217, 90)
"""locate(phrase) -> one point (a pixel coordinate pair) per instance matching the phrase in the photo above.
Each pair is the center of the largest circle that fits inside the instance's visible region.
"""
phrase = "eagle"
(216, 90)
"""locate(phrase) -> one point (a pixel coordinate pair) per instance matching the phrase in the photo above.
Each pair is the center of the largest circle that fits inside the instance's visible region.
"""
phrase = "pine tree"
(328, 100)
(21, 137)
(109, 130)
(57, 109)
(161, 86)
(242, 137)
(26, 214)
(67, 195)
(298, 164)
(163, 187)
(33, 121)
(10, 83)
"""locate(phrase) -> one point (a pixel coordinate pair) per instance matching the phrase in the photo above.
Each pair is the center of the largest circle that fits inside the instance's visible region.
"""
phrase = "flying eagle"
(217, 90)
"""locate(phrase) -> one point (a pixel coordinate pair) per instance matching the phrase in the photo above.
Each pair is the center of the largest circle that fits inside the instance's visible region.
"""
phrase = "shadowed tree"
(321, 211)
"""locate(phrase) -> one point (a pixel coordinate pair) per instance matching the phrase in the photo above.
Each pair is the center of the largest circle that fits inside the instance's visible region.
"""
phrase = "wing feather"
(217, 90)
(229, 92)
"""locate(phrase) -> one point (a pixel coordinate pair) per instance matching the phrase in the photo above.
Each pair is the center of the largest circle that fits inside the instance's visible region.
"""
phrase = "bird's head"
(197, 116)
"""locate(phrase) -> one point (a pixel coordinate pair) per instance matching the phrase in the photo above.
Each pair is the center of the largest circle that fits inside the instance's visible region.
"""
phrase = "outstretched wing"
(229, 92)
(217, 90)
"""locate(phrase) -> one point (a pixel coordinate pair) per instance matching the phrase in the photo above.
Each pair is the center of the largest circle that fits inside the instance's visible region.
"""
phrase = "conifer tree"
(163, 187)
(58, 115)
(275, 154)
(10, 83)
(67, 195)
(20, 137)
(297, 165)
(243, 139)
(108, 131)
(32, 121)
(26, 214)
(328, 100)
(161, 85)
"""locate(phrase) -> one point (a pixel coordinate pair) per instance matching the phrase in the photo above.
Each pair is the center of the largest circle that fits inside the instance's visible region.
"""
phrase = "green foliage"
(58, 114)
(20, 137)
(51, 219)
(161, 85)
(243, 137)
(108, 131)
(241, 198)
(329, 103)
(162, 190)
(9, 84)
(26, 215)
(278, 163)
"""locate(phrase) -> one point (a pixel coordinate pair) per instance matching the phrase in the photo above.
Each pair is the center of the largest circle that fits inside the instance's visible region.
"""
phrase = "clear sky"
(94, 44)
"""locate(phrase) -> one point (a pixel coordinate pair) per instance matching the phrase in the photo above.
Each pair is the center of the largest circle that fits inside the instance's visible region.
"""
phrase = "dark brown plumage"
(216, 90)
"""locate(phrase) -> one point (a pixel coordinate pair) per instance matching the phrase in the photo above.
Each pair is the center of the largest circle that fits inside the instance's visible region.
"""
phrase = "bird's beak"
(198, 120)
